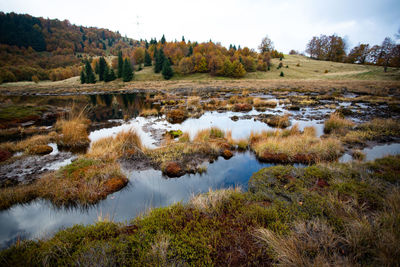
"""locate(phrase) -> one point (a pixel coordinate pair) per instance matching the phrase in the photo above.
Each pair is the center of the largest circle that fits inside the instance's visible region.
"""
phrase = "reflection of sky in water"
(375, 152)
(146, 189)
(240, 129)
(149, 188)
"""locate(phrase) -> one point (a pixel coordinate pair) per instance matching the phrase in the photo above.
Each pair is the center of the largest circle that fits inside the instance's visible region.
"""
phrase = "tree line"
(186, 57)
(333, 48)
(105, 72)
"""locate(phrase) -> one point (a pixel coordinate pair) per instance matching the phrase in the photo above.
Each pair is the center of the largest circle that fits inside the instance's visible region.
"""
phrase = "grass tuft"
(337, 124)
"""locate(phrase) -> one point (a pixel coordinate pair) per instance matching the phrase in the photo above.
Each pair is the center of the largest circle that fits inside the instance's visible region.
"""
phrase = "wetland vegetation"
(237, 158)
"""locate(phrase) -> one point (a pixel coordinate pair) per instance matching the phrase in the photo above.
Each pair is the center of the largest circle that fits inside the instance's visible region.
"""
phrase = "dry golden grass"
(258, 102)
(149, 112)
(315, 237)
(74, 132)
(208, 202)
(207, 134)
(193, 101)
(309, 131)
(337, 124)
(29, 145)
(279, 121)
(242, 144)
(124, 144)
(292, 146)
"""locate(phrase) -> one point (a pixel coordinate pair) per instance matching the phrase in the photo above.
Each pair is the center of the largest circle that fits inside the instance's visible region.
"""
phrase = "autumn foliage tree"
(331, 48)
(358, 54)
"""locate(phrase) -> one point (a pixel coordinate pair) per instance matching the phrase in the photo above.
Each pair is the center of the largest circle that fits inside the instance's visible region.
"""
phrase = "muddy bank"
(26, 169)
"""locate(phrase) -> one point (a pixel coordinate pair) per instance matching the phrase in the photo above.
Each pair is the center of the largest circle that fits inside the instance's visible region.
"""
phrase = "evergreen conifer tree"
(90, 78)
(147, 59)
(127, 73)
(106, 73)
(102, 67)
(83, 77)
(190, 51)
(120, 64)
(112, 76)
(167, 71)
(159, 61)
(96, 67)
(162, 39)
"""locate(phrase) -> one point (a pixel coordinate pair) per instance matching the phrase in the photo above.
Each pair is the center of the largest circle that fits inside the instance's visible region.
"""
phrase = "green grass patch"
(20, 113)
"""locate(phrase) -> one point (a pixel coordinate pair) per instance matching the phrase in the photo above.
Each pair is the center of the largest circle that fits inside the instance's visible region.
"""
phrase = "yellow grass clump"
(207, 134)
(258, 102)
(27, 144)
(286, 146)
(74, 132)
(193, 101)
(337, 124)
(125, 143)
(149, 112)
(210, 201)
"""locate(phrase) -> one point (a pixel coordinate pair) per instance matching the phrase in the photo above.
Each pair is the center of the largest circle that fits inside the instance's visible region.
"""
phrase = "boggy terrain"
(337, 214)
(83, 154)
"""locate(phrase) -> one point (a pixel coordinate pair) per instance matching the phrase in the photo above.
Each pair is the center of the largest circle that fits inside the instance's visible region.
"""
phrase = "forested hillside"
(38, 48)
(41, 49)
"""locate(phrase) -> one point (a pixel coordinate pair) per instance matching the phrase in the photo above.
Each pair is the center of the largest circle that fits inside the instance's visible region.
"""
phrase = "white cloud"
(289, 23)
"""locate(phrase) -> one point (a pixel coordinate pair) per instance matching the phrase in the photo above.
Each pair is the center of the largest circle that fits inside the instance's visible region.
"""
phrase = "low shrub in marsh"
(242, 107)
(278, 121)
(176, 116)
(172, 169)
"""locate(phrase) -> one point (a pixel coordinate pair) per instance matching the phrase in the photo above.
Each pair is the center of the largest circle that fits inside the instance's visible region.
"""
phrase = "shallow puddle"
(146, 189)
(376, 152)
(241, 128)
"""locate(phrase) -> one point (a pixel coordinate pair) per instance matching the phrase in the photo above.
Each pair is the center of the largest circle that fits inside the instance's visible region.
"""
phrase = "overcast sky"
(289, 23)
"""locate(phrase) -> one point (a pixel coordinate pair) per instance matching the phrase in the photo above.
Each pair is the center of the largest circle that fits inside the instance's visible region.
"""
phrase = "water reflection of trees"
(117, 106)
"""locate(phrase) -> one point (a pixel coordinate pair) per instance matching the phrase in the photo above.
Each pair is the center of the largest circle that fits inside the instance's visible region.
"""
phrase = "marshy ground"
(120, 154)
